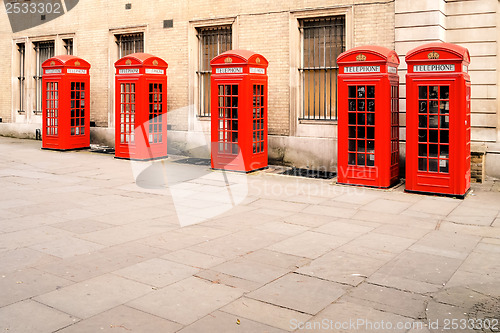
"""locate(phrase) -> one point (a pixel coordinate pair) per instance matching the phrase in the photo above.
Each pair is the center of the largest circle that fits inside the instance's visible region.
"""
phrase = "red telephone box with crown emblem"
(438, 131)
(368, 117)
(239, 111)
(141, 107)
(65, 103)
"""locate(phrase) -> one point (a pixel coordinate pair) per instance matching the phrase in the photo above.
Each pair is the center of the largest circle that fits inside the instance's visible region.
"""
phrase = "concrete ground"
(89, 243)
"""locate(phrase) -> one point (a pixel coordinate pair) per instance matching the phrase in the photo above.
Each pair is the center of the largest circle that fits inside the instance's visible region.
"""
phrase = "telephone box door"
(438, 120)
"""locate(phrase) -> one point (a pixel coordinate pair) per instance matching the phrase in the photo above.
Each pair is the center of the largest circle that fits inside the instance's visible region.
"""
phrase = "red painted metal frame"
(368, 159)
(59, 128)
(446, 169)
(239, 142)
(136, 136)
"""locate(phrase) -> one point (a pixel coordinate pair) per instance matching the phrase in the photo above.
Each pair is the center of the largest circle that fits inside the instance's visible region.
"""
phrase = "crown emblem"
(128, 62)
(228, 60)
(77, 63)
(52, 63)
(155, 62)
(433, 55)
(360, 57)
(257, 60)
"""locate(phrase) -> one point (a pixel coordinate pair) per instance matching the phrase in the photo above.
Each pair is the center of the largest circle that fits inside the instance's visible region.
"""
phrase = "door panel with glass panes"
(361, 120)
(434, 129)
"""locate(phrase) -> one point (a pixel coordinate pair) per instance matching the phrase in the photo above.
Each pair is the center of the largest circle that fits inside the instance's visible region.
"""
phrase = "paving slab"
(349, 317)
(247, 269)
(67, 247)
(446, 244)
(391, 300)
(309, 244)
(186, 301)
(383, 242)
(23, 258)
(435, 206)
(228, 280)
(238, 243)
(421, 267)
(299, 292)
(230, 323)
(87, 266)
(278, 259)
(193, 258)
(157, 272)
(386, 206)
(88, 298)
(261, 312)
(338, 212)
(342, 267)
(344, 228)
(26, 283)
(403, 283)
(123, 318)
(308, 220)
(82, 226)
(32, 317)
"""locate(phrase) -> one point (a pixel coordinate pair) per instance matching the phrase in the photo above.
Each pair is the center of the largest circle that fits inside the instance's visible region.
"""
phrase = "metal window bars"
(130, 43)
(22, 58)
(212, 42)
(68, 45)
(43, 50)
(323, 39)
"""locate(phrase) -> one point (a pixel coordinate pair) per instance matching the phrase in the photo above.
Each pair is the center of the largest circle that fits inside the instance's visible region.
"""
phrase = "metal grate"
(22, 58)
(68, 45)
(43, 50)
(130, 43)
(323, 39)
(212, 42)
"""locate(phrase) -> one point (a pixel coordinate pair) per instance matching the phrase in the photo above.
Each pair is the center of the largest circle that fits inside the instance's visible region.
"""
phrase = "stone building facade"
(300, 38)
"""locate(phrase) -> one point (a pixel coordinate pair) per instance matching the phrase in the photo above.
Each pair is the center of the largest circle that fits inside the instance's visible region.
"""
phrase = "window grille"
(22, 58)
(130, 43)
(68, 45)
(43, 50)
(323, 39)
(212, 42)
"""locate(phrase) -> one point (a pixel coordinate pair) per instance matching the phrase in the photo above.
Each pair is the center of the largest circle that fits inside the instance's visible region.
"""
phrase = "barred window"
(130, 43)
(323, 39)
(68, 46)
(22, 58)
(212, 42)
(43, 50)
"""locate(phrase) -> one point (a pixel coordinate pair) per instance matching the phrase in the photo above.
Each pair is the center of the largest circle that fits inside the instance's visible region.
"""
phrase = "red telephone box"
(438, 120)
(65, 103)
(239, 111)
(141, 107)
(368, 117)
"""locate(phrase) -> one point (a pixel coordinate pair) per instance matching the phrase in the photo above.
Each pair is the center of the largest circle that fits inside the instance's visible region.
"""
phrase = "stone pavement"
(89, 243)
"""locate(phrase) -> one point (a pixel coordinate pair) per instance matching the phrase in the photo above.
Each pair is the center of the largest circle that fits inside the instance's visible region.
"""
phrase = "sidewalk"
(89, 243)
